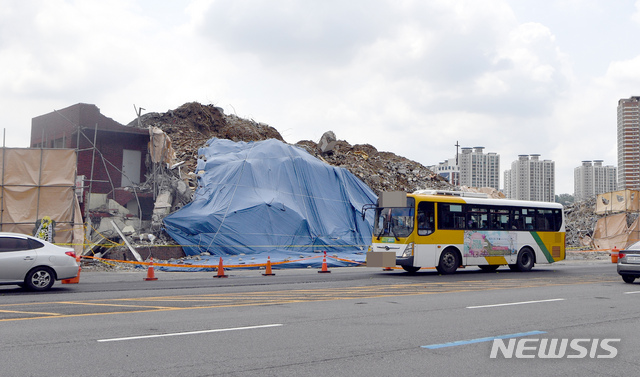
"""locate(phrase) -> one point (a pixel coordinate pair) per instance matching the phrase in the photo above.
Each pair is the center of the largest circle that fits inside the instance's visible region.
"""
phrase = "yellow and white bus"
(451, 229)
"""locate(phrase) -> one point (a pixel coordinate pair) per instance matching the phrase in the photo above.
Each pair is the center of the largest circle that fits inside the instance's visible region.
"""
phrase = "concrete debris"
(327, 143)
(580, 222)
(162, 206)
(588, 255)
(192, 124)
(490, 191)
(115, 208)
(122, 236)
(382, 171)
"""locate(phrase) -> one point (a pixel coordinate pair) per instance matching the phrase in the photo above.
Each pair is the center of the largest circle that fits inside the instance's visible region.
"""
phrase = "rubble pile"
(192, 124)
(580, 222)
(381, 171)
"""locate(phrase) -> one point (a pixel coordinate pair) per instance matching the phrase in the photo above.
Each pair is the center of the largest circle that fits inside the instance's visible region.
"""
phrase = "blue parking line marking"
(480, 340)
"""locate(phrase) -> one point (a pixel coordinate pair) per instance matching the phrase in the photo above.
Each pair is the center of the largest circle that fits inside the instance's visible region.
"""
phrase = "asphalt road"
(350, 322)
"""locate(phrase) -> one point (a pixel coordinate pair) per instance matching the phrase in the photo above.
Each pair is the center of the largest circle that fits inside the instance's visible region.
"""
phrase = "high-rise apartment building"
(474, 168)
(629, 143)
(530, 179)
(479, 169)
(592, 179)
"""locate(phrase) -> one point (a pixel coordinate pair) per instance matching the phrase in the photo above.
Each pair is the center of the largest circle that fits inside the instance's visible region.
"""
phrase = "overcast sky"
(410, 77)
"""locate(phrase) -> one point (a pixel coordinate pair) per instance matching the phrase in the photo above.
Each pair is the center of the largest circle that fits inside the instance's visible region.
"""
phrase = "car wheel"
(628, 278)
(449, 262)
(489, 267)
(39, 279)
(525, 261)
(411, 269)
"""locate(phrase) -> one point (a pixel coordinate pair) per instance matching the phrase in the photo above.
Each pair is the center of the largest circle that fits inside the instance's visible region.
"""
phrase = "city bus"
(451, 229)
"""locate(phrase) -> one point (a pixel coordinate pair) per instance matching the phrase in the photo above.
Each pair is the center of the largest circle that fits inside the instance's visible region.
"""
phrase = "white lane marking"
(630, 293)
(189, 333)
(515, 303)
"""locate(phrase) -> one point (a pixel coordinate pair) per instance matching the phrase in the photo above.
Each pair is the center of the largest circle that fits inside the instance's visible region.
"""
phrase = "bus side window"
(529, 215)
(557, 217)
(542, 223)
(445, 221)
(450, 216)
(500, 218)
(457, 211)
(426, 218)
(477, 217)
(517, 221)
(549, 220)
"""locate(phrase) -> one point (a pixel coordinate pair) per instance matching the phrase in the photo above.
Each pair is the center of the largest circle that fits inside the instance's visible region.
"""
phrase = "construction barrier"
(324, 265)
(220, 271)
(217, 267)
(150, 272)
(268, 272)
(268, 263)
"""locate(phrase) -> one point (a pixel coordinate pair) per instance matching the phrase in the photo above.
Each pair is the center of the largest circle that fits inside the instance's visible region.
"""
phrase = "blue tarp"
(268, 198)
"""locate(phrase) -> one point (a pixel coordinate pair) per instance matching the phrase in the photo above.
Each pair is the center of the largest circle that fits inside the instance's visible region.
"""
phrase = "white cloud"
(636, 15)
(410, 77)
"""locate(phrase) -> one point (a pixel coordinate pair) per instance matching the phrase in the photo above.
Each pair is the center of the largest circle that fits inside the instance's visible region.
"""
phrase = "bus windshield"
(393, 222)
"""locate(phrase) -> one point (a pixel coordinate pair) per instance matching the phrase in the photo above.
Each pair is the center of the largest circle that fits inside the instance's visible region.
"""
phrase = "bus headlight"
(408, 252)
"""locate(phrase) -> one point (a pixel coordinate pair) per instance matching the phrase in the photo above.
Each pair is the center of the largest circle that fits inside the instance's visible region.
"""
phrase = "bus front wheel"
(524, 262)
(411, 269)
(449, 262)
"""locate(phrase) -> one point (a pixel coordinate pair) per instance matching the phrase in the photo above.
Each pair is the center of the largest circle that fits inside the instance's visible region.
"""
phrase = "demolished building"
(119, 172)
(138, 193)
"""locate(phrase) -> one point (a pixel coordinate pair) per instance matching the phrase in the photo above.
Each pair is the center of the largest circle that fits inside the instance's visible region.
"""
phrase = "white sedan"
(33, 263)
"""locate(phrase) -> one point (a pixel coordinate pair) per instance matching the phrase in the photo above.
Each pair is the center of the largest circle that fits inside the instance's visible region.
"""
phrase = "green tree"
(564, 199)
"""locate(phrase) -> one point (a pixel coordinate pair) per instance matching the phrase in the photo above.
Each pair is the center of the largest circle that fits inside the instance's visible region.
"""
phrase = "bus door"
(425, 244)
(476, 247)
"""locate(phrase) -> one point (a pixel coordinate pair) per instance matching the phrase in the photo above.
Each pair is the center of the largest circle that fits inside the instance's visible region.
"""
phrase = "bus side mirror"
(365, 208)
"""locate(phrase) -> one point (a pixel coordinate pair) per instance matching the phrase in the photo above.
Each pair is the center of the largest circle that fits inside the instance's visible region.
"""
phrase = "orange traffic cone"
(221, 271)
(268, 272)
(76, 279)
(615, 253)
(324, 269)
(150, 273)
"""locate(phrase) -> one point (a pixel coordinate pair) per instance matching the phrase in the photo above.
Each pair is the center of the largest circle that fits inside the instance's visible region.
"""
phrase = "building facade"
(592, 178)
(629, 143)
(110, 156)
(530, 179)
(448, 170)
(479, 169)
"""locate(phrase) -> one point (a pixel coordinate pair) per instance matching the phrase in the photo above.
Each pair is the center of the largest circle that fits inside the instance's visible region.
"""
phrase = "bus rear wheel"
(524, 262)
(449, 262)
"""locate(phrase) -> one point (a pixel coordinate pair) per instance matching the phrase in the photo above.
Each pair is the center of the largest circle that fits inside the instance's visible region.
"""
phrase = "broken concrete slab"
(116, 208)
(133, 251)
